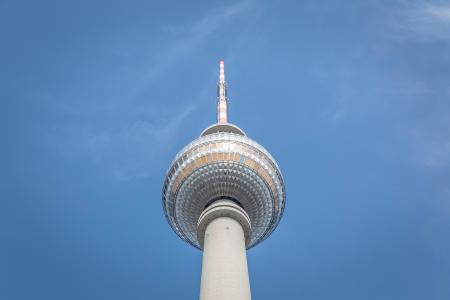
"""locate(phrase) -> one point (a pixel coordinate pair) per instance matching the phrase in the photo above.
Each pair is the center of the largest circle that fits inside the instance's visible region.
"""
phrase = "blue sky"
(351, 97)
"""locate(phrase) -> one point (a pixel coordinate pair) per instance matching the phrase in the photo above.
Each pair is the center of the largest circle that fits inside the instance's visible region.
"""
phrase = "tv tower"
(223, 193)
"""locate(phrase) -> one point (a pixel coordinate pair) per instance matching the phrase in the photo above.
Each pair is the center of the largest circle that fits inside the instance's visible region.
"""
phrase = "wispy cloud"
(126, 150)
(427, 20)
(430, 142)
(341, 102)
(187, 38)
(131, 150)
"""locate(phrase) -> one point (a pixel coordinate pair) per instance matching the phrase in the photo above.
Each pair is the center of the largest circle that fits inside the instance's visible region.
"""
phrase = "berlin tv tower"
(223, 193)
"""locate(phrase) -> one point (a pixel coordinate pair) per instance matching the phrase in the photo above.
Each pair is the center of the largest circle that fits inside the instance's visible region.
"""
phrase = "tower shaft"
(224, 268)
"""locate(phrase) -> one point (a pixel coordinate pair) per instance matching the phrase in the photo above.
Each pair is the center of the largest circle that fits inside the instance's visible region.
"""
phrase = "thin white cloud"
(342, 102)
(191, 36)
(426, 142)
(438, 12)
(127, 150)
(426, 20)
(131, 150)
(431, 143)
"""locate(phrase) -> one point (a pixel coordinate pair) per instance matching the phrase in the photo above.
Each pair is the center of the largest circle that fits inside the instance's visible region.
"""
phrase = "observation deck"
(223, 165)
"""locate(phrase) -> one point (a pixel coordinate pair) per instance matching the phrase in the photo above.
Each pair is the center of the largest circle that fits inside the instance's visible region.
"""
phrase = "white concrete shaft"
(224, 270)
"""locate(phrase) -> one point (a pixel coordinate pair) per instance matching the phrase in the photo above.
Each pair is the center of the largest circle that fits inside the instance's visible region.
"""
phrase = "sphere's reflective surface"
(223, 165)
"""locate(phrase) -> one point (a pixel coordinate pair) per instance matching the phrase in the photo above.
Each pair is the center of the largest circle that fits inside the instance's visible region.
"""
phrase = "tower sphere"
(223, 163)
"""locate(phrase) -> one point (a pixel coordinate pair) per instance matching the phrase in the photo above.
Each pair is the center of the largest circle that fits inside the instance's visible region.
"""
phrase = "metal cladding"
(223, 163)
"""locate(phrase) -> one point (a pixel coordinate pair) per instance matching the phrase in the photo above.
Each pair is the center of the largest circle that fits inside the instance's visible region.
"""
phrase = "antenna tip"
(221, 61)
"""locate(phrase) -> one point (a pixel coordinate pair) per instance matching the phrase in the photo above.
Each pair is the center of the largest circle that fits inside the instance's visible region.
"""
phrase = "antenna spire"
(222, 98)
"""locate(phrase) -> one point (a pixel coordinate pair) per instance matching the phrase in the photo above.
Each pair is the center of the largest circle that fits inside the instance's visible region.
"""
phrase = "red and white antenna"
(222, 99)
